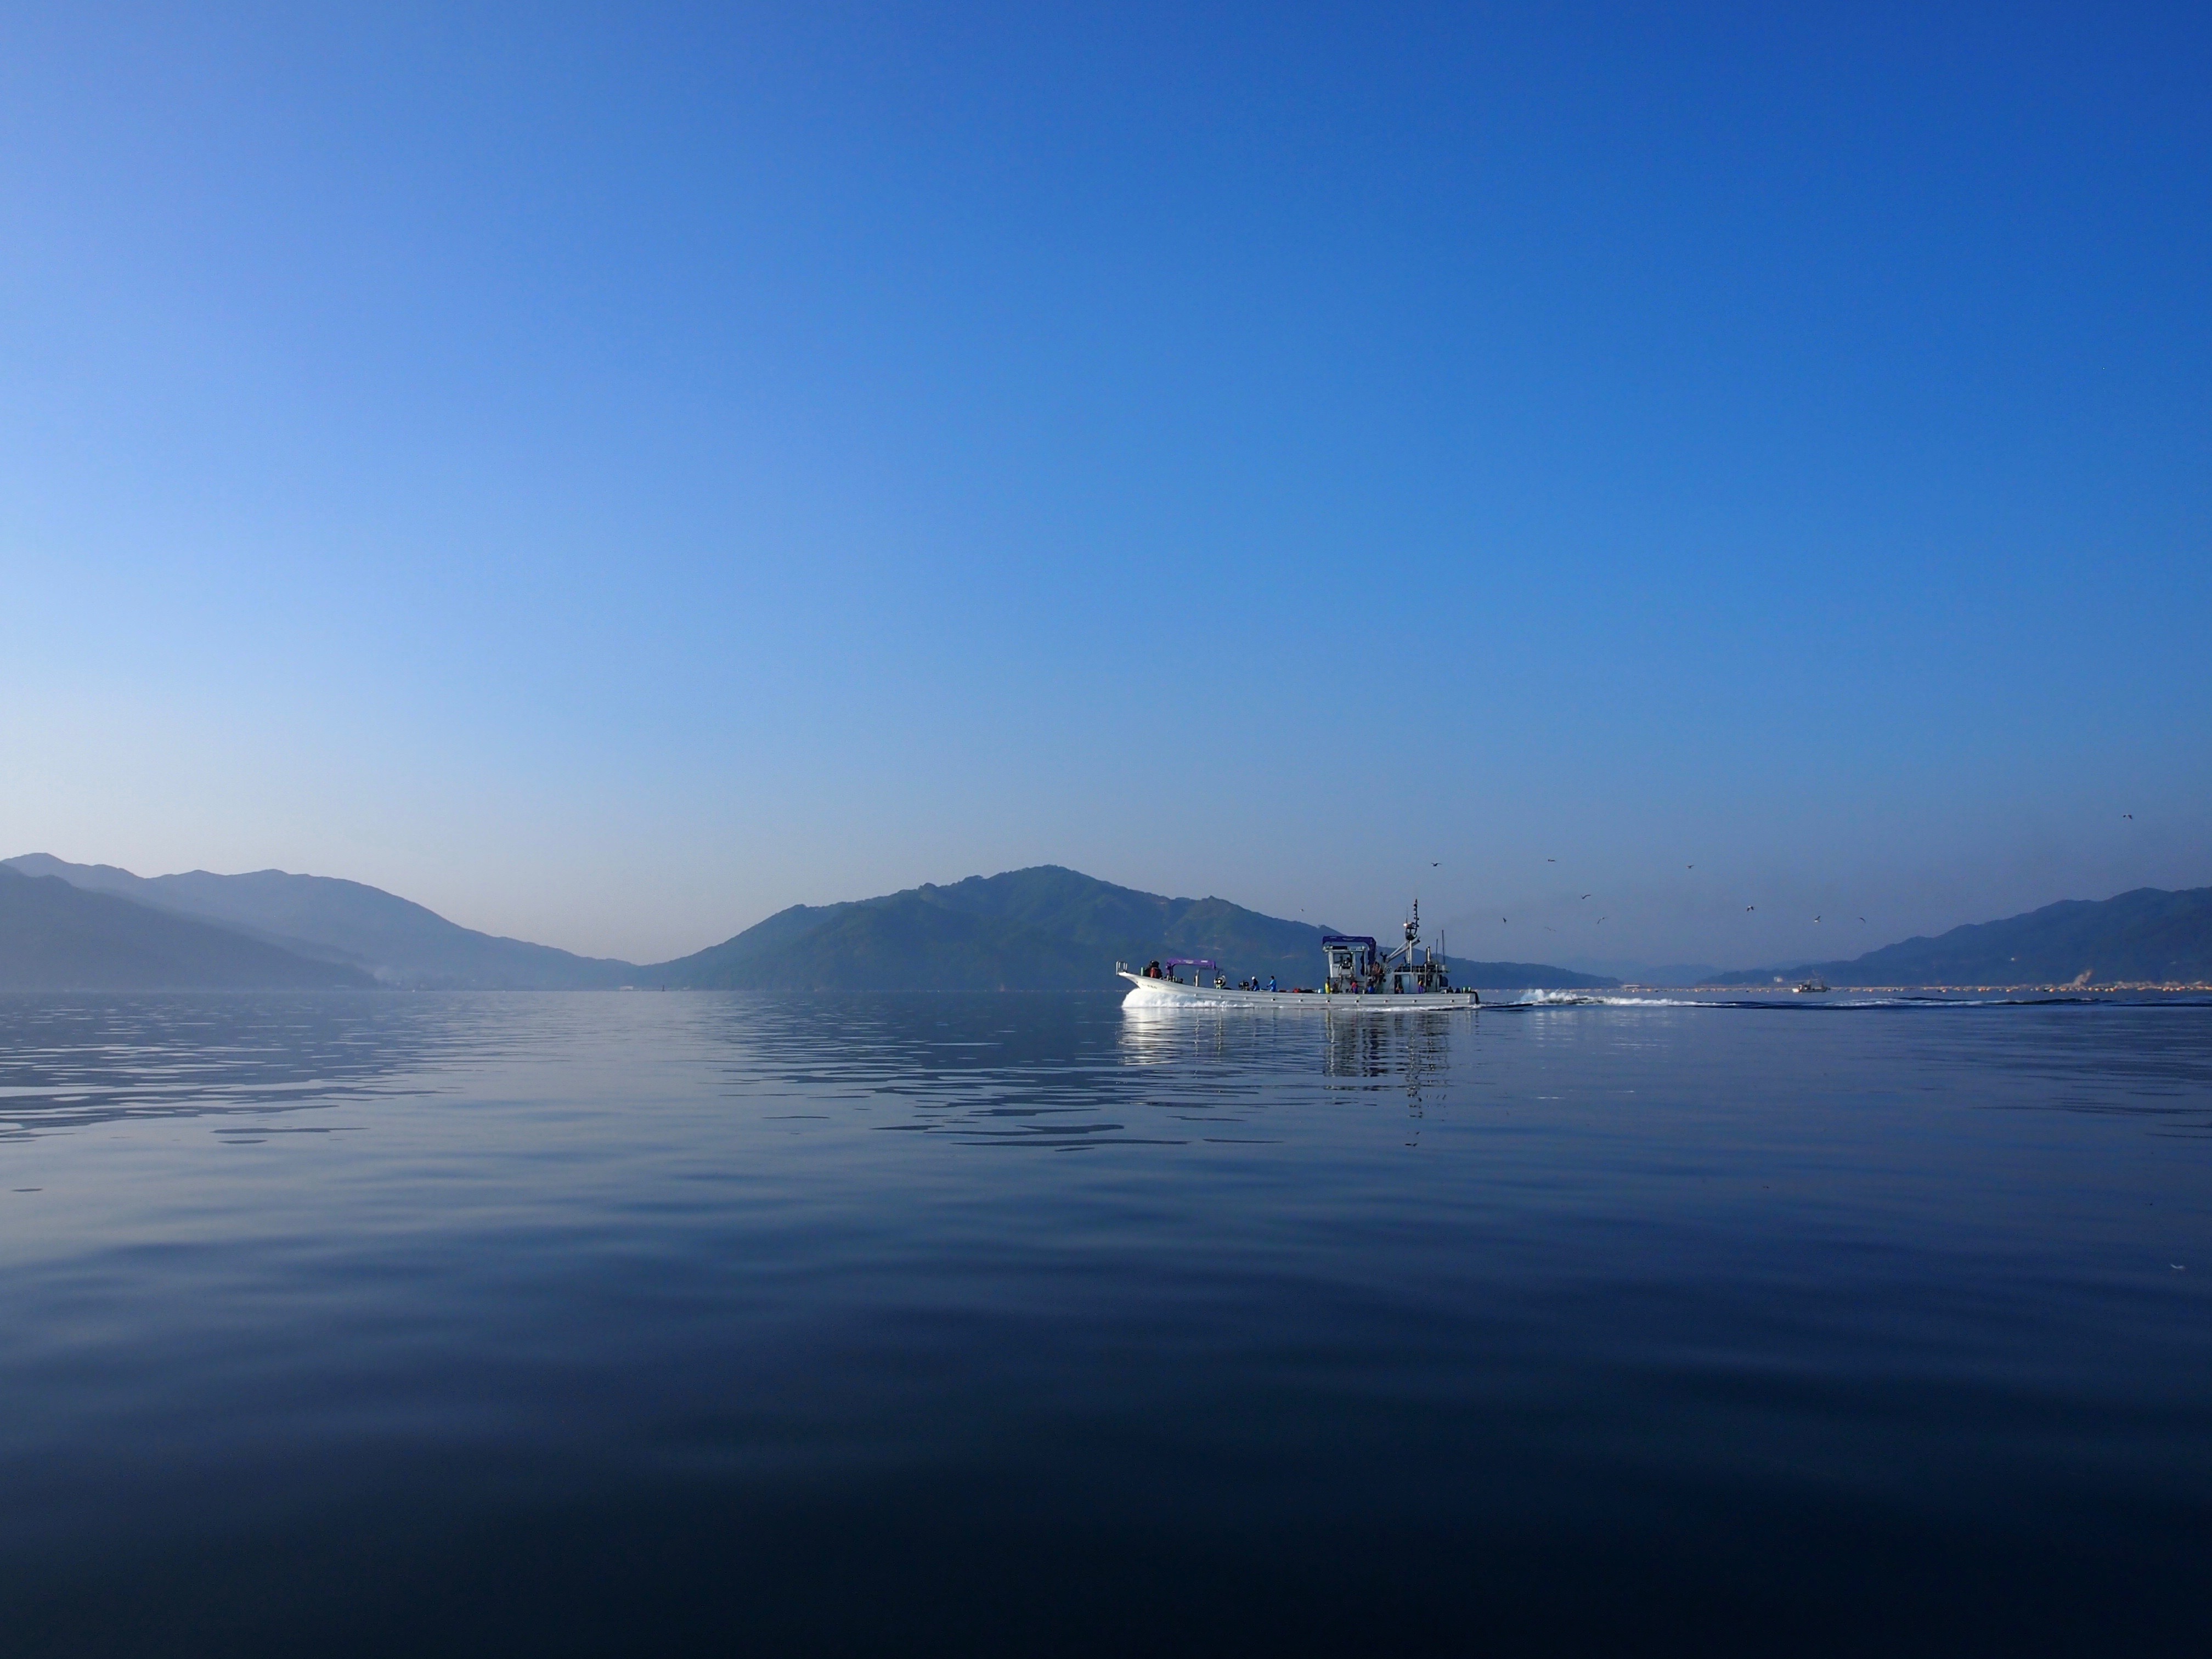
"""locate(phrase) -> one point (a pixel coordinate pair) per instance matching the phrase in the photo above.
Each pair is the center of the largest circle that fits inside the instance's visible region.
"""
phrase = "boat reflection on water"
(1238, 1050)
(1406, 1047)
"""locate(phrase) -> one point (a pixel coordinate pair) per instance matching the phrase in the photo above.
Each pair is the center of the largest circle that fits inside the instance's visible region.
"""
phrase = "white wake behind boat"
(1358, 977)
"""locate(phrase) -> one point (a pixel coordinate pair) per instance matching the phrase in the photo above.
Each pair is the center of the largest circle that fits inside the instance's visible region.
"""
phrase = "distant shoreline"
(2115, 985)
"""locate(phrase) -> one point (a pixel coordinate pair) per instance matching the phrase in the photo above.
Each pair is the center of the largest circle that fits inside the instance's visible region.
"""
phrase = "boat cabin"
(1357, 966)
(1351, 960)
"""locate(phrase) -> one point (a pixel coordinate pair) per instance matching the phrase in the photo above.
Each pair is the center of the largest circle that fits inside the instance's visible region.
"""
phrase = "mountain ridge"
(1043, 927)
(2148, 935)
(395, 941)
(55, 936)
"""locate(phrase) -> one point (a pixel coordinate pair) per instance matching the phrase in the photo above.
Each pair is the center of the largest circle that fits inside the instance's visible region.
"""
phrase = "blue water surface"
(366, 1323)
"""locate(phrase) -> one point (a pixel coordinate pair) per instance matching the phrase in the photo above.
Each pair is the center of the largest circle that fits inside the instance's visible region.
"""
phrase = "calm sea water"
(589, 1323)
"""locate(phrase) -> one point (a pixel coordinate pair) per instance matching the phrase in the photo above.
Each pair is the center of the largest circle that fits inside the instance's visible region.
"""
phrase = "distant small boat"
(1815, 985)
(1359, 977)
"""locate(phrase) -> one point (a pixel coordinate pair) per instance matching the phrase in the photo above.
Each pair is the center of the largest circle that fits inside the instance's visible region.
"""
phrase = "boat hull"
(1170, 994)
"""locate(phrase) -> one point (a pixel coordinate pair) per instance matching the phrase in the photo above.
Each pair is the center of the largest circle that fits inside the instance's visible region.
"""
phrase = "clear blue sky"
(609, 473)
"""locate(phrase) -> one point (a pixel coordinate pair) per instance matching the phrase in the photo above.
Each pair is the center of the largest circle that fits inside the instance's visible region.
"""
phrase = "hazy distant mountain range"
(54, 936)
(79, 927)
(2147, 936)
(1041, 929)
(387, 940)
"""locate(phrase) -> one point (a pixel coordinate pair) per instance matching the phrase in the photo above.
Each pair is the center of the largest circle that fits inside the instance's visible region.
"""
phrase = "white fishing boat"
(1358, 976)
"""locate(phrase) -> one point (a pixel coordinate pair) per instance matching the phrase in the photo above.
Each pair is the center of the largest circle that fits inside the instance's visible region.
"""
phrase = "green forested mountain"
(1036, 929)
(392, 940)
(2147, 935)
(57, 936)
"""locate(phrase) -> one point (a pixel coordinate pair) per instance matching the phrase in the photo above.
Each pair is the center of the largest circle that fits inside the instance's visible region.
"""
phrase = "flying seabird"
(1585, 895)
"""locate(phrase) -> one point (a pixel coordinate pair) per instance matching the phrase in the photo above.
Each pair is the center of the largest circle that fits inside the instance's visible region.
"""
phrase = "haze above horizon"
(609, 475)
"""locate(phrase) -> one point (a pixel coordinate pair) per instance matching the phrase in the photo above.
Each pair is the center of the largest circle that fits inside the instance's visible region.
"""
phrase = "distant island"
(91, 927)
(79, 927)
(2147, 936)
